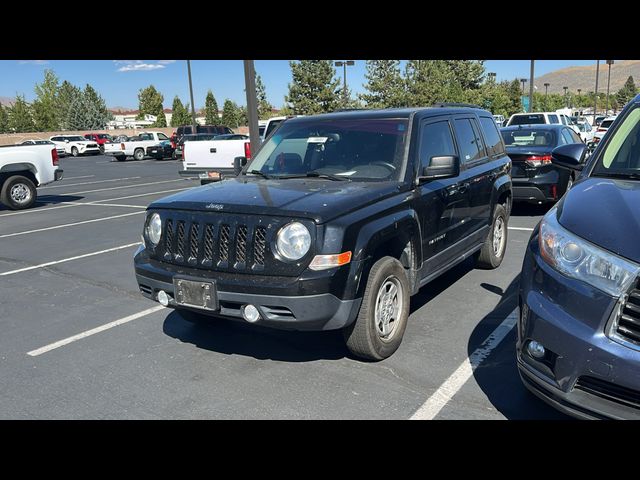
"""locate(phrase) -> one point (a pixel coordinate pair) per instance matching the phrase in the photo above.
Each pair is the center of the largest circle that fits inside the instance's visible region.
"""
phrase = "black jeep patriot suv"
(335, 223)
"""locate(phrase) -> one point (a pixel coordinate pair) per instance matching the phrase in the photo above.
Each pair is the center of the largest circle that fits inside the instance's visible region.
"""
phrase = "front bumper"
(286, 309)
(583, 373)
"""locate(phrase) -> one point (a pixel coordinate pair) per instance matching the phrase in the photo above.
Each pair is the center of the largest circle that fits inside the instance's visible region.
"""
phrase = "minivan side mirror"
(238, 164)
(569, 157)
(444, 166)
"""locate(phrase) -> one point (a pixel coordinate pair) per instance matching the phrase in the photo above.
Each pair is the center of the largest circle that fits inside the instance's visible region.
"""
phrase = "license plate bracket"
(196, 294)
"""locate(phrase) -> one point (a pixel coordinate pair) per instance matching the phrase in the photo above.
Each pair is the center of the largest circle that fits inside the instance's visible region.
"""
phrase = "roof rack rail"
(454, 104)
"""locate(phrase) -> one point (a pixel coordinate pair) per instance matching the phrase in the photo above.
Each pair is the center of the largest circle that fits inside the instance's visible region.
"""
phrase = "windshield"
(529, 137)
(527, 119)
(621, 155)
(361, 148)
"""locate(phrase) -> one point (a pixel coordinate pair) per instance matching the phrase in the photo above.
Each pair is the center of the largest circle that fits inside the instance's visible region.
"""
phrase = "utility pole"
(531, 87)
(595, 105)
(566, 100)
(193, 107)
(609, 62)
(546, 92)
(252, 105)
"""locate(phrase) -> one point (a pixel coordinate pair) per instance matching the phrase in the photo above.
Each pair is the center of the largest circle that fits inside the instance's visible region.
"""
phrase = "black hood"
(319, 200)
(606, 212)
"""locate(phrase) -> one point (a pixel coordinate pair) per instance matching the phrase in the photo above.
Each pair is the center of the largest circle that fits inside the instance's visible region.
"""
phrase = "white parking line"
(450, 387)
(122, 186)
(81, 176)
(93, 331)
(64, 260)
(524, 229)
(95, 202)
(88, 183)
(68, 225)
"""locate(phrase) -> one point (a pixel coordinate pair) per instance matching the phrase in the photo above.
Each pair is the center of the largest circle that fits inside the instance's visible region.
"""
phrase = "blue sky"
(118, 81)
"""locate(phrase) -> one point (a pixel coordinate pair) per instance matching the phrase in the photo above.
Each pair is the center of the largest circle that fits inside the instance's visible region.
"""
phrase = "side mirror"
(66, 140)
(238, 164)
(441, 167)
(569, 157)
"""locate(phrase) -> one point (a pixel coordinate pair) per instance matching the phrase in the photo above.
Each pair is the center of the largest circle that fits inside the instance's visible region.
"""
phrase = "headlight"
(577, 258)
(154, 229)
(293, 241)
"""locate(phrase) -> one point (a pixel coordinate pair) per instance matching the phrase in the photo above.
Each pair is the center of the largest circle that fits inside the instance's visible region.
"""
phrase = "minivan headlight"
(577, 258)
(154, 229)
(294, 241)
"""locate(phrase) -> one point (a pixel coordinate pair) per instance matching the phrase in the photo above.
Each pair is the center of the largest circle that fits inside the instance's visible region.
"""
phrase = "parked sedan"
(578, 344)
(534, 177)
(161, 151)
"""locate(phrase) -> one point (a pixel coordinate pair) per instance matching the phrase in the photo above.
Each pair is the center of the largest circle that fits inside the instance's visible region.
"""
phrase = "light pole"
(523, 80)
(344, 64)
(595, 105)
(531, 87)
(566, 103)
(193, 107)
(609, 62)
(546, 93)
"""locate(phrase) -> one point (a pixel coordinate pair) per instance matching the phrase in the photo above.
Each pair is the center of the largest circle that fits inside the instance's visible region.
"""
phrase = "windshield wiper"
(314, 174)
(258, 172)
(625, 175)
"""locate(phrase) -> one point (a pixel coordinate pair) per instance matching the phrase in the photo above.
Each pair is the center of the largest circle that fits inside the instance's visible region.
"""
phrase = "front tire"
(74, 151)
(18, 193)
(492, 252)
(378, 330)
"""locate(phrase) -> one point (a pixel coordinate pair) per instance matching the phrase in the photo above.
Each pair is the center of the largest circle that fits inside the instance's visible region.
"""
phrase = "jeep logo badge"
(215, 206)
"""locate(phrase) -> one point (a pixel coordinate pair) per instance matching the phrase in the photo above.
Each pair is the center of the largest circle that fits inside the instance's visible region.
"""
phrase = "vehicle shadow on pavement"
(45, 200)
(440, 284)
(498, 375)
(262, 343)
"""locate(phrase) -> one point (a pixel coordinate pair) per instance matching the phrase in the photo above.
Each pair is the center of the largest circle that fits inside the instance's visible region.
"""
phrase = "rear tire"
(18, 193)
(121, 158)
(377, 331)
(138, 154)
(495, 245)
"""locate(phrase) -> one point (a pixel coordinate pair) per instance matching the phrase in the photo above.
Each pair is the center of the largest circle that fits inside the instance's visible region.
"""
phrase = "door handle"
(212, 150)
(463, 187)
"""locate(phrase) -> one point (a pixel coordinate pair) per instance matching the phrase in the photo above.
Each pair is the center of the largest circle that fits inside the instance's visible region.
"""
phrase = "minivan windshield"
(621, 155)
(346, 148)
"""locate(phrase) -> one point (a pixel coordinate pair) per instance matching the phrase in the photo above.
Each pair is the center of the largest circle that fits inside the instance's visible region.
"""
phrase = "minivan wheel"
(492, 251)
(18, 193)
(378, 330)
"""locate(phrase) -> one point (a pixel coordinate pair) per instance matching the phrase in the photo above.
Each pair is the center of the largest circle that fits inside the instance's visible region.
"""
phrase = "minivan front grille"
(628, 324)
(209, 244)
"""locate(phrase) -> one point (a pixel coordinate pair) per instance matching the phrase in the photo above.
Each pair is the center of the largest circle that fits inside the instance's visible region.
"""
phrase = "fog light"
(250, 313)
(163, 298)
(535, 349)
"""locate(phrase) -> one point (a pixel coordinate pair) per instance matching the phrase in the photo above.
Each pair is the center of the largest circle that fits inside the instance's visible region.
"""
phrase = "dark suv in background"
(335, 223)
(579, 328)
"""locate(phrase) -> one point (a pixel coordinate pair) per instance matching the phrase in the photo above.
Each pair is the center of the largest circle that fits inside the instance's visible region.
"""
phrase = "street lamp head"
(339, 64)
(547, 84)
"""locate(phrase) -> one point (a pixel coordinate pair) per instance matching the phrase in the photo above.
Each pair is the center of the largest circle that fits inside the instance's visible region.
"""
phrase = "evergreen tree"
(4, 119)
(385, 86)
(314, 89)
(67, 96)
(181, 114)
(626, 93)
(428, 82)
(243, 118)
(211, 110)
(97, 113)
(514, 92)
(20, 118)
(44, 107)
(150, 103)
(230, 114)
(264, 107)
(468, 74)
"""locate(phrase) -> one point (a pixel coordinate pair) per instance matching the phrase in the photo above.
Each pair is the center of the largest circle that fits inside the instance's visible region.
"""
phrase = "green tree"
(230, 114)
(88, 111)
(428, 82)
(468, 74)
(386, 88)
(45, 106)
(211, 110)
(264, 107)
(313, 89)
(627, 92)
(67, 96)
(20, 117)
(180, 114)
(4, 119)
(243, 119)
(150, 103)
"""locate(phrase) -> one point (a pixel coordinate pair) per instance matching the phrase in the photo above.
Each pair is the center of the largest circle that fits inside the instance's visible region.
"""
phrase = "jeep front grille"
(259, 245)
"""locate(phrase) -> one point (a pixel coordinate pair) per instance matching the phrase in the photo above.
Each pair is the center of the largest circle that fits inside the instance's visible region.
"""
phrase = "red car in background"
(99, 138)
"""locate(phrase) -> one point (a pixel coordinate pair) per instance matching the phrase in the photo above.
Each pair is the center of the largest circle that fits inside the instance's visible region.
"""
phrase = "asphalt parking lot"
(79, 341)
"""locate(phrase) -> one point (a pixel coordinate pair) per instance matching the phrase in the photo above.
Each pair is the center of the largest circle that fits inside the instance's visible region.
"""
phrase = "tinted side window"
(492, 136)
(553, 119)
(467, 141)
(436, 141)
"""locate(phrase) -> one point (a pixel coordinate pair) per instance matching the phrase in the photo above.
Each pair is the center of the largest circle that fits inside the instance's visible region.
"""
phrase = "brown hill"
(4, 101)
(585, 77)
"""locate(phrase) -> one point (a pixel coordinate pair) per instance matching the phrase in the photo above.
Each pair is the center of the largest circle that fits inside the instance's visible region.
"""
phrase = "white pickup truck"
(211, 160)
(22, 169)
(136, 148)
